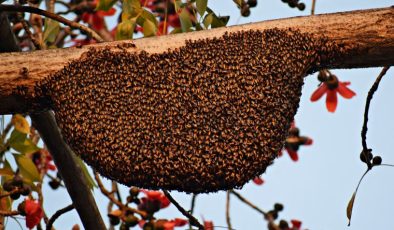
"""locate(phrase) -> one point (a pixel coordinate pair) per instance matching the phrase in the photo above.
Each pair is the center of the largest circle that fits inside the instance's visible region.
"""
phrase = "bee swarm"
(208, 116)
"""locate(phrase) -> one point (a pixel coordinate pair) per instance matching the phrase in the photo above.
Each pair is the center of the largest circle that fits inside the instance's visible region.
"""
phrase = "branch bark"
(72, 174)
(370, 33)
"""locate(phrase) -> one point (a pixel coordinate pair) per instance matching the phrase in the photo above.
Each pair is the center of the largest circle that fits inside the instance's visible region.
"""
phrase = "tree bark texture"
(369, 33)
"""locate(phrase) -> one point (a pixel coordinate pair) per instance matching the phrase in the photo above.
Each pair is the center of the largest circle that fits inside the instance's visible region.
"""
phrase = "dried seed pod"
(205, 117)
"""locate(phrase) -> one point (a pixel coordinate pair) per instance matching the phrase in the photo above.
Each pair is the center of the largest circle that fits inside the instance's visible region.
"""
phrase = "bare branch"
(111, 197)
(192, 220)
(228, 220)
(57, 214)
(371, 92)
(241, 198)
(9, 213)
(34, 10)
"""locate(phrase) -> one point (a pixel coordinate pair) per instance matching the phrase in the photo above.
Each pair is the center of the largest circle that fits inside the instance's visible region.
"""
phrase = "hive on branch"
(205, 117)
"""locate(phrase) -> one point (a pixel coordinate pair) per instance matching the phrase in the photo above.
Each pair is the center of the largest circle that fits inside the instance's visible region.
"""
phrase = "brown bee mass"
(205, 117)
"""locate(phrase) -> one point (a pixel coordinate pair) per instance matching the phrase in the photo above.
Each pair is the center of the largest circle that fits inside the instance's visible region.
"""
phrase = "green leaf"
(125, 30)
(131, 9)
(27, 168)
(89, 178)
(51, 30)
(149, 16)
(201, 6)
(105, 5)
(177, 5)
(199, 27)
(349, 208)
(208, 20)
(16, 137)
(218, 21)
(176, 31)
(150, 28)
(26, 147)
(186, 23)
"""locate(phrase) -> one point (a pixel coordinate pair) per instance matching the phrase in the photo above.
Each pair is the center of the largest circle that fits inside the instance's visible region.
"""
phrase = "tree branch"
(241, 198)
(57, 214)
(72, 174)
(371, 92)
(228, 220)
(34, 10)
(368, 36)
(192, 220)
(111, 197)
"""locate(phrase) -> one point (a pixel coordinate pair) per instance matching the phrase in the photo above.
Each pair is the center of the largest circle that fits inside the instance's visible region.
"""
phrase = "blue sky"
(316, 189)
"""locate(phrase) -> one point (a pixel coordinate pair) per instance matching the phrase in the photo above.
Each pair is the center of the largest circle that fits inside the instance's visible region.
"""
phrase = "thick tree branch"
(72, 174)
(369, 35)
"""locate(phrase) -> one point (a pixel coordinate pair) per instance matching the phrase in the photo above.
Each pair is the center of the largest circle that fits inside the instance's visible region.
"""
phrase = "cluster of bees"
(208, 116)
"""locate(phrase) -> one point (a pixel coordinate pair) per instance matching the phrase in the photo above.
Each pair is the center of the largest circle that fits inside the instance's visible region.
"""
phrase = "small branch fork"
(111, 197)
(192, 220)
(34, 10)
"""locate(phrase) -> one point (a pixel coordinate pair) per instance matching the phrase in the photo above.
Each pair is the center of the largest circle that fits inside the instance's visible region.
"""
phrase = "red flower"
(294, 141)
(153, 202)
(96, 19)
(296, 224)
(258, 180)
(208, 225)
(177, 222)
(34, 213)
(43, 161)
(330, 85)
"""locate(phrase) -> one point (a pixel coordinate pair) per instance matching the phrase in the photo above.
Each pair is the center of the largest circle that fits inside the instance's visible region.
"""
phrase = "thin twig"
(107, 193)
(111, 204)
(192, 205)
(313, 7)
(240, 197)
(228, 210)
(192, 220)
(111, 197)
(41, 200)
(57, 214)
(19, 8)
(25, 26)
(9, 213)
(371, 92)
(14, 191)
